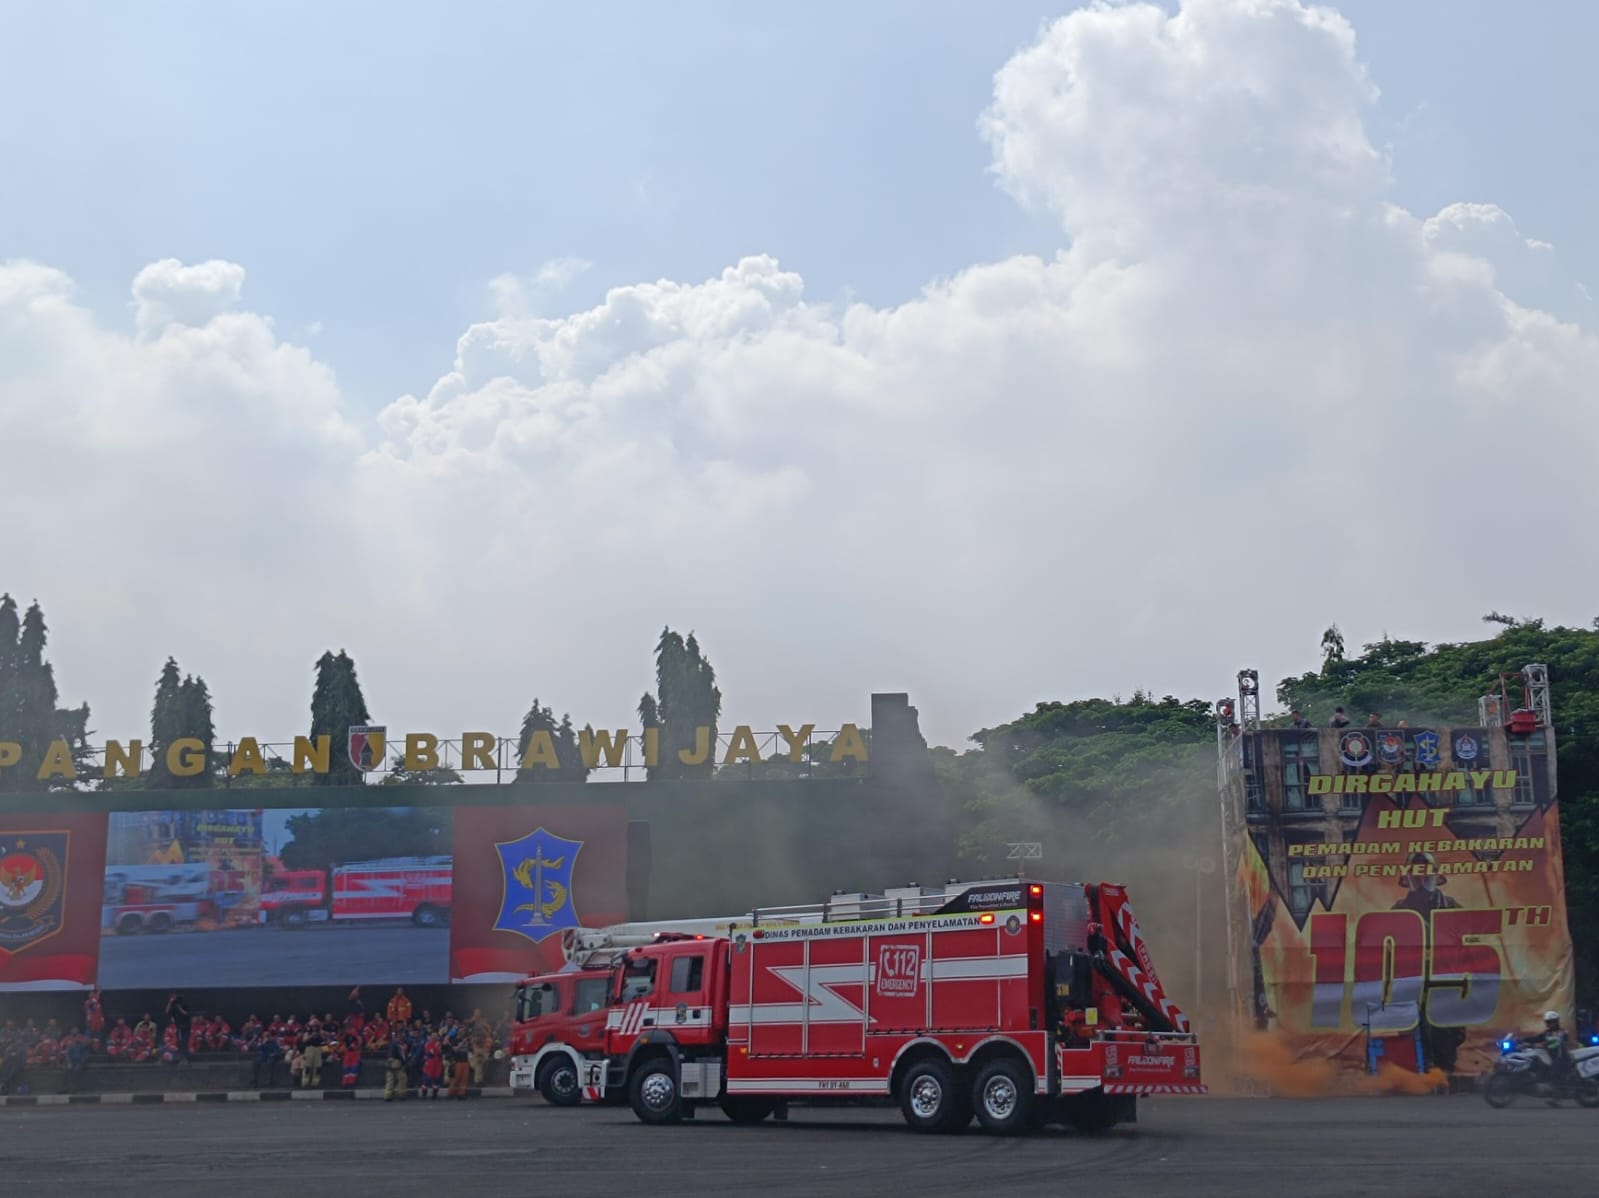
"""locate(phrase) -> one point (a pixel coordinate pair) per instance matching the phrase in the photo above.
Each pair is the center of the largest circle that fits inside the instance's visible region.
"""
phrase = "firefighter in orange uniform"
(399, 1008)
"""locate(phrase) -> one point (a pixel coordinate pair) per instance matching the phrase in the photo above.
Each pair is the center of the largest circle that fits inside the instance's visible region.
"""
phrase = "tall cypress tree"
(194, 703)
(563, 737)
(703, 702)
(686, 699)
(337, 705)
(10, 686)
(166, 722)
(28, 698)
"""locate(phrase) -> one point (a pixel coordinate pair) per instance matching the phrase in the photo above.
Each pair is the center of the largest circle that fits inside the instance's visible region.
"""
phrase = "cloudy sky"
(995, 353)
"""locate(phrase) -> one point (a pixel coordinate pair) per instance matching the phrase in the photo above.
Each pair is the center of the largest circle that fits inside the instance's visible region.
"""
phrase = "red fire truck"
(414, 888)
(560, 1017)
(1017, 1001)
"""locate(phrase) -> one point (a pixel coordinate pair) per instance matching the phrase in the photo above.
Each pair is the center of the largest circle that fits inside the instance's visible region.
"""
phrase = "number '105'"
(1390, 973)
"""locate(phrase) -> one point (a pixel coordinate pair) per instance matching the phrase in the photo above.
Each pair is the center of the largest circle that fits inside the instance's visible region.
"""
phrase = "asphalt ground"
(334, 955)
(1196, 1148)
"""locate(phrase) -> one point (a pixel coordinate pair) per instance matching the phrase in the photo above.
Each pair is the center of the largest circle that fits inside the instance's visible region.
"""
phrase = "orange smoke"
(1391, 1079)
(1267, 1060)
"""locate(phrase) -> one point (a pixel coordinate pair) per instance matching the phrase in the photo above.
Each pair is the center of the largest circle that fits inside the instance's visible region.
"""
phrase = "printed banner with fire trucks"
(1410, 915)
(199, 899)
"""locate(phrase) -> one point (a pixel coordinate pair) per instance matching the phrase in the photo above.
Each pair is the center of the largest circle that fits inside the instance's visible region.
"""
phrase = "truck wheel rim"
(927, 1096)
(999, 1097)
(657, 1091)
(564, 1081)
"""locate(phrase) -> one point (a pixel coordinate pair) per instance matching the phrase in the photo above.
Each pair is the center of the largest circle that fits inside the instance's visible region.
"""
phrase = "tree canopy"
(562, 741)
(686, 699)
(337, 705)
(29, 710)
(318, 839)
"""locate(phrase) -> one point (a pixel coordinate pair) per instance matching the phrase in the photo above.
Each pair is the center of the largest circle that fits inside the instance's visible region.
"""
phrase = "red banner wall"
(51, 871)
(525, 874)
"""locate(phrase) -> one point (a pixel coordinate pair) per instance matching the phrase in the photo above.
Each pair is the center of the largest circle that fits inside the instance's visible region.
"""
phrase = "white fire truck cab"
(1017, 1001)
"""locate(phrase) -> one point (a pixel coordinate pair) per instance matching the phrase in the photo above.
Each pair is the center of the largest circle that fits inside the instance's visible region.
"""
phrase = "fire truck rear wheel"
(293, 918)
(427, 916)
(1003, 1098)
(653, 1092)
(160, 922)
(559, 1084)
(931, 1099)
(129, 924)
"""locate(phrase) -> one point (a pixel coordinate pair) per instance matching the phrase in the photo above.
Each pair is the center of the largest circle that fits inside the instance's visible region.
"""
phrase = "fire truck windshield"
(534, 1001)
(638, 978)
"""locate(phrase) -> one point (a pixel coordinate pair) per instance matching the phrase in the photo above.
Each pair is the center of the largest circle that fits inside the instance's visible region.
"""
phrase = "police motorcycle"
(1524, 1065)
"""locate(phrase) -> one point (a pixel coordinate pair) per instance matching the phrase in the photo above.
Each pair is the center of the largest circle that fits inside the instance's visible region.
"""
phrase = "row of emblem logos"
(1387, 747)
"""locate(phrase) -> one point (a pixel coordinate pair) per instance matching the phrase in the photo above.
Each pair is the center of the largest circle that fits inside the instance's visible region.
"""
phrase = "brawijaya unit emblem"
(538, 885)
(32, 887)
(1427, 745)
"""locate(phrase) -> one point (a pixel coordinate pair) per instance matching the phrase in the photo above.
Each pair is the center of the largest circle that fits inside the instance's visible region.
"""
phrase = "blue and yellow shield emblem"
(538, 885)
(1426, 748)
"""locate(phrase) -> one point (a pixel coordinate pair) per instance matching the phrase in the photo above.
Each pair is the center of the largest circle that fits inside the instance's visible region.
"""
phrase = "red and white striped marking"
(1156, 1088)
(631, 1018)
(1151, 990)
(1139, 969)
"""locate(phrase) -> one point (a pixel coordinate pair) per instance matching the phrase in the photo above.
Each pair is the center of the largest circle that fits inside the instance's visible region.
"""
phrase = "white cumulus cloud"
(1247, 396)
(168, 293)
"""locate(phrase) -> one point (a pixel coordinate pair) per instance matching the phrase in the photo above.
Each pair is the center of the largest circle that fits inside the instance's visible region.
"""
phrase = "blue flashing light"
(1593, 1039)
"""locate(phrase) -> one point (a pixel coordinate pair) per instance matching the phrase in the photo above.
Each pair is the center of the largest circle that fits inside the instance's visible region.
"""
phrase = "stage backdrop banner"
(51, 868)
(1406, 913)
(524, 875)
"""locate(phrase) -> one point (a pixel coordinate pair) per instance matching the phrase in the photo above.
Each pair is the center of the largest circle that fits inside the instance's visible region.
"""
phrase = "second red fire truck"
(560, 1017)
(1014, 1002)
(390, 888)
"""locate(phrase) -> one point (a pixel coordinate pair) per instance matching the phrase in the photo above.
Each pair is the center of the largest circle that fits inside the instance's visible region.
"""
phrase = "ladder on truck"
(895, 902)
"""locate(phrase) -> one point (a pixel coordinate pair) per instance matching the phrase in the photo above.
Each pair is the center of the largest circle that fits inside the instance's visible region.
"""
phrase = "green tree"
(194, 704)
(181, 710)
(1094, 771)
(318, 839)
(29, 714)
(166, 722)
(398, 775)
(686, 698)
(337, 705)
(568, 754)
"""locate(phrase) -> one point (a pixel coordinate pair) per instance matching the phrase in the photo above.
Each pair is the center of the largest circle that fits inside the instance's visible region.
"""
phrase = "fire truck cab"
(1016, 1002)
(560, 1023)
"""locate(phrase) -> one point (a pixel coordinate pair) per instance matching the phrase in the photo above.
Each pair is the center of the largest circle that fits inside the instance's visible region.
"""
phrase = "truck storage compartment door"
(770, 1011)
(835, 983)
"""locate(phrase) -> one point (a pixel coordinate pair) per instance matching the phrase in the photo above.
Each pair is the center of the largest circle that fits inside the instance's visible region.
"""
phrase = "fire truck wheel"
(160, 922)
(558, 1082)
(653, 1092)
(129, 924)
(1003, 1098)
(931, 1100)
(293, 918)
(427, 916)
